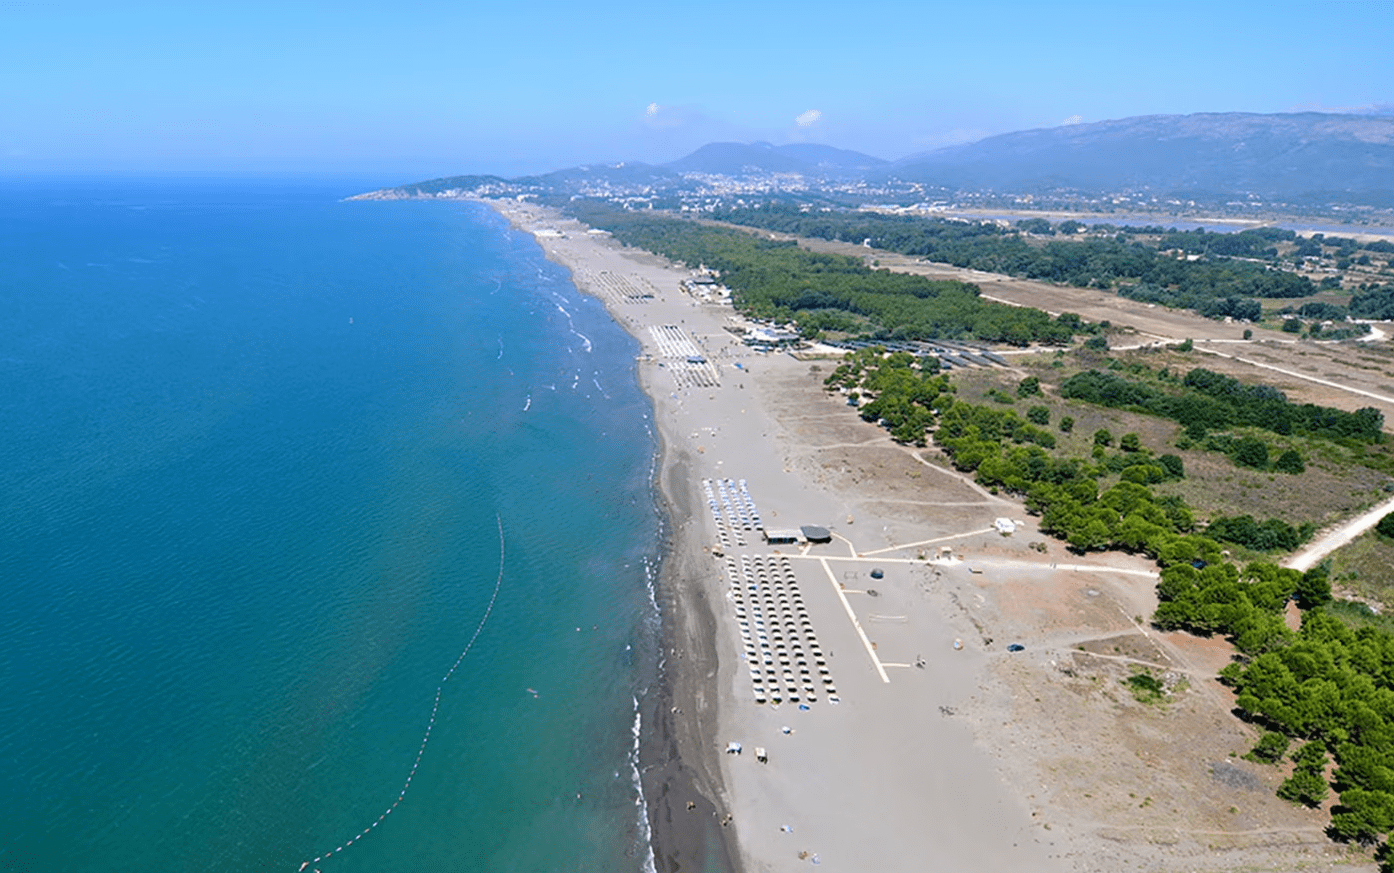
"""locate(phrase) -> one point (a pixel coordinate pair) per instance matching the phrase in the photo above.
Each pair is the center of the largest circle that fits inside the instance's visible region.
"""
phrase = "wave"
(641, 804)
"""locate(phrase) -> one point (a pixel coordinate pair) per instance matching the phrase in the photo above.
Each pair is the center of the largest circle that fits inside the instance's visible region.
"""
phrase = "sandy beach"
(900, 732)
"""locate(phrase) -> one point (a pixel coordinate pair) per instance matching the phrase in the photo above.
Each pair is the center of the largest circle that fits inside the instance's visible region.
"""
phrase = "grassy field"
(1339, 480)
(1364, 570)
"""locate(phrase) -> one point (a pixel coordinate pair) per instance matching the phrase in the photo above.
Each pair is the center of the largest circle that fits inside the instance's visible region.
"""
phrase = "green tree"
(1251, 452)
(1385, 527)
(1290, 462)
(1314, 590)
(1130, 442)
(1362, 816)
(1174, 466)
(1028, 387)
(1270, 748)
(1304, 787)
(1038, 415)
(1067, 423)
(1102, 437)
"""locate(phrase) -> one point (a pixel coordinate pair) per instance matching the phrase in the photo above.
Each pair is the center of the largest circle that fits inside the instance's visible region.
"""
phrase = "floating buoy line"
(431, 723)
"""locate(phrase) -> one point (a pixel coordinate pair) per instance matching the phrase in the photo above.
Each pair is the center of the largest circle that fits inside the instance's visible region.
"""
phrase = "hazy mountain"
(627, 173)
(742, 159)
(1301, 157)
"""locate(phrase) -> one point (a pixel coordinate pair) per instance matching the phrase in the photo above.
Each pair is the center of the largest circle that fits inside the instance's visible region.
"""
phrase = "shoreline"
(673, 770)
(846, 763)
(922, 740)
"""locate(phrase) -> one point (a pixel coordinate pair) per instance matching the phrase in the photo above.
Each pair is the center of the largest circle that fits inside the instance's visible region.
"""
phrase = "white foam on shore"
(640, 803)
(650, 575)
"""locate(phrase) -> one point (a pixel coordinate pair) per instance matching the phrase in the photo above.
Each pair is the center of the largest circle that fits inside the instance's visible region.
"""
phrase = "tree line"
(1326, 686)
(1205, 401)
(821, 293)
(1215, 285)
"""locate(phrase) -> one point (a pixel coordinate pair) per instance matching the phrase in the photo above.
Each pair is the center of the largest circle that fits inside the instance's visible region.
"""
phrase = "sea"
(328, 538)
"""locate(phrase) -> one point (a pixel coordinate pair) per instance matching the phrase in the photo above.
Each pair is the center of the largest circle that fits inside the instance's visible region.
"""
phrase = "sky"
(404, 90)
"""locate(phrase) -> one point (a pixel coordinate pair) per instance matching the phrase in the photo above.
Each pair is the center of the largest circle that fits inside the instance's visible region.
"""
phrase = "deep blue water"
(256, 441)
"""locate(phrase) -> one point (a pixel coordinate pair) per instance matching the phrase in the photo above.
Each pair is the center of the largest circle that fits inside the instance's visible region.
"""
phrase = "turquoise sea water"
(256, 441)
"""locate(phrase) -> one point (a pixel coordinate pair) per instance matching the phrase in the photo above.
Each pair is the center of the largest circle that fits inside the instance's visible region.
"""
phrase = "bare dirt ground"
(1114, 783)
(1102, 780)
(1129, 784)
(1149, 786)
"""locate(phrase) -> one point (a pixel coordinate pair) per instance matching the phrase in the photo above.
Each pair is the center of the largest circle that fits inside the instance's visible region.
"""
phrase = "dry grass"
(1339, 480)
(1364, 569)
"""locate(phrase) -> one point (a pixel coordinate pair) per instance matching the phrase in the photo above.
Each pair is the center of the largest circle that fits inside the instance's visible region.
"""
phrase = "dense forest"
(1217, 284)
(829, 293)
(1203, 401)
(1374, 303)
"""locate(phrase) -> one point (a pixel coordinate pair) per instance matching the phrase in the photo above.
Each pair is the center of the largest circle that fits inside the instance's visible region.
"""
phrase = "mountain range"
(1309, 158)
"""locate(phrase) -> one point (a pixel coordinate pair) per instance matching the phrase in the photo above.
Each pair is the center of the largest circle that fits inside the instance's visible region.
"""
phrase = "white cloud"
(1073, 119)
(809, 118)
(665, 117)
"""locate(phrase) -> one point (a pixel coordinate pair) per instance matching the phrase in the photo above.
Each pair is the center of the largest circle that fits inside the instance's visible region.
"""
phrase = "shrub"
(1251, 452)
(1038, 415)
(1385, 527)
(1265, 536)
(1130, 442)
(1028, 387)
(1290, 462)
(1307, 785)
(1146, 688)
(1067, 424)
(1173, 465)
(1304, 787)
(1102, 437)
(1269, 749)
(1314, 590)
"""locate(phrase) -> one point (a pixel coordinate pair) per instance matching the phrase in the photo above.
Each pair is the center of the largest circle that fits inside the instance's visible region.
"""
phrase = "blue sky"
(404, 90)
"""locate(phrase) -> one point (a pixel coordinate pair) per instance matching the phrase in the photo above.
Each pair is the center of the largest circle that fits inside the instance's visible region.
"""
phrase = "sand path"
(1331, 540)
